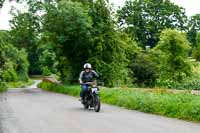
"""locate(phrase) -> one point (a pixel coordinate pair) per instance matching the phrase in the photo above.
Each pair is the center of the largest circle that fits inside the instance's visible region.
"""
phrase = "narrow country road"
(31, 110)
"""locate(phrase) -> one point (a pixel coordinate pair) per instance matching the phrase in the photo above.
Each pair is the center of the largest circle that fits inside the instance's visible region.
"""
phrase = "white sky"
(192, 7)
(4, 13)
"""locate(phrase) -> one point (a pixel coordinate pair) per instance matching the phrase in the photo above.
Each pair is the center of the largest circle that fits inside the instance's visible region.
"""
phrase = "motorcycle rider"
(88, 75)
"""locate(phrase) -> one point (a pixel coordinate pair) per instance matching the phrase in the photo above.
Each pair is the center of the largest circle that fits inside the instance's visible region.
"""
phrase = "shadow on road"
(82, 109)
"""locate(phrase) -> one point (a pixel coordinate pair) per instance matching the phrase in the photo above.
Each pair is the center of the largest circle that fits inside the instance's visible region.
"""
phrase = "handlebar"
(87, 83)
(92, 83)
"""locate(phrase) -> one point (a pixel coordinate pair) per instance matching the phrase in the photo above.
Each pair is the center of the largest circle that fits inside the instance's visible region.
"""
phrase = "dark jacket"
(88, 76)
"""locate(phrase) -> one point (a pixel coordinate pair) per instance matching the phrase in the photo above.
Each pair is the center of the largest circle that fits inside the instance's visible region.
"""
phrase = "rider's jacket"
(88, 76)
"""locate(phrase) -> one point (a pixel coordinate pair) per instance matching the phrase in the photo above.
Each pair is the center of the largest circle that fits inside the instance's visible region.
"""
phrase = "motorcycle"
(91, 98)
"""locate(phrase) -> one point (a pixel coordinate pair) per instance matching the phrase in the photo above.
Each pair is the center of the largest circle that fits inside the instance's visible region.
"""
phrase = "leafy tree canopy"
(145, 19)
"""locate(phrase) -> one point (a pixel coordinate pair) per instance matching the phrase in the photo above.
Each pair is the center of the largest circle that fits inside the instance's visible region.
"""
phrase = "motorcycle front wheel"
(86, 106)
(97, 104)
(85, 103)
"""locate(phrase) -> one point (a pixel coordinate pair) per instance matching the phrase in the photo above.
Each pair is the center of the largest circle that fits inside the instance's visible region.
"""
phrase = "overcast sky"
(192, 7)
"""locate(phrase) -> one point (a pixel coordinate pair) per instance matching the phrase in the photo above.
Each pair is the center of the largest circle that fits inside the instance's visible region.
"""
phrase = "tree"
(111, 50)
(144, 70)
(47, 55)
(1, 3)
(145, 19)
(194, 28)
(174, 46)
(68, 26)
(25, 28)
(85, 32)
(196, 50)
(14, 63)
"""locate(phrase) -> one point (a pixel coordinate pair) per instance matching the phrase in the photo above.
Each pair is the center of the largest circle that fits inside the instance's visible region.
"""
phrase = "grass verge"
(181, 106)
(19, 84)
(4, 86)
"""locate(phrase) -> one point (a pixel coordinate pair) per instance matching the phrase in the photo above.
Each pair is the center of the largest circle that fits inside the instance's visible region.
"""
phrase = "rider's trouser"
(83, 90)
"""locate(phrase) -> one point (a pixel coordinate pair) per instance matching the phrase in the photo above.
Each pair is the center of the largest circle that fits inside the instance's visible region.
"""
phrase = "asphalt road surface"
(31, 110)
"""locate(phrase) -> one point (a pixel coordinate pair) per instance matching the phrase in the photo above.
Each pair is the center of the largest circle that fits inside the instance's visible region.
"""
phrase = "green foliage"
(61, 35)
(24, 30)
(145, 71)
(196, 50)
(68, 25)
(145, 19)
(110, 57)
(191, 82)
(111, 50)
(85, 32)
(1, 3)
(14, 64)
(9, 74)
(182, 106)
(22, 65)
(2, 86)
(46, 71)
(174, 47)
(19, 84)
(65, 89)
(47, 56)
(194, 28)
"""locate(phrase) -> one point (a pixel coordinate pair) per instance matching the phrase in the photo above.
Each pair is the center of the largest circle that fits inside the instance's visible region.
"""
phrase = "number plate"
(94, 90)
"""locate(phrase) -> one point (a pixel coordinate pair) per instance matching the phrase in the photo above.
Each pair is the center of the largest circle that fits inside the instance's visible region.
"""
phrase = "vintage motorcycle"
(91, 98)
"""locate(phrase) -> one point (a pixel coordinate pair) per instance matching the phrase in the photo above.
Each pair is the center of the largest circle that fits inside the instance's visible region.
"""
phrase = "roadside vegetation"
(141, 47)
(127, 48)
(13, 62)
(19, 84)
(180, 105)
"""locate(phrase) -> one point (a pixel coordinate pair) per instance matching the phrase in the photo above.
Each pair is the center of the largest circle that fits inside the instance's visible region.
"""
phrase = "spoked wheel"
(97, 104)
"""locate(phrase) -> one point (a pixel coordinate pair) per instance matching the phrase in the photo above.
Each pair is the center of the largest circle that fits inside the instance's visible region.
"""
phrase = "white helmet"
(87, 65)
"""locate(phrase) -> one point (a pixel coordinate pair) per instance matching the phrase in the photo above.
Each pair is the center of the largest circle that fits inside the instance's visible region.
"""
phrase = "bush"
(9, 74)
(13, 62)
(22, 65)
(19, 84)
(144, 71)
(196, 53)
(2, 86)
(196, 50)
(46, 71)
(65, 89)
(47, 62)
(189, 83)
(174, 66)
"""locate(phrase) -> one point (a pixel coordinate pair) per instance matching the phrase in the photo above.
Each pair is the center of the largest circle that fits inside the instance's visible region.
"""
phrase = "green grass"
(64, 89)
(181, 106)
(19, 84)
(3, 88)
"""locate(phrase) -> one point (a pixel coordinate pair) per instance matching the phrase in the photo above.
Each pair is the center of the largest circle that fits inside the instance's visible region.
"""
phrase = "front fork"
(95, 97)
